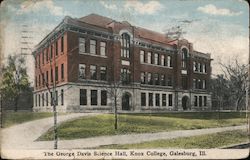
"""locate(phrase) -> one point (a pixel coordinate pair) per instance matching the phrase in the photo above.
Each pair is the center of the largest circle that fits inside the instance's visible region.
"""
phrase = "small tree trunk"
(16, 102)
(237, 104)
(116, 114)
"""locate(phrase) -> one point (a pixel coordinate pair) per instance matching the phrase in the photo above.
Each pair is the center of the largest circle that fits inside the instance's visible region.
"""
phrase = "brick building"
(83, 56)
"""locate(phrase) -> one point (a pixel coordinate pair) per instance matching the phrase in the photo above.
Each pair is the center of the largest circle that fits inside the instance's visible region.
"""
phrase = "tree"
(15, 79)
(236, 74)
(114, 91)
(219, 87)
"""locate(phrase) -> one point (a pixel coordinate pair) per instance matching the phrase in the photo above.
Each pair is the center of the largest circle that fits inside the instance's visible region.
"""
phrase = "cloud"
(34, 6)
(143, 8)
(108, 6)
(213, 10)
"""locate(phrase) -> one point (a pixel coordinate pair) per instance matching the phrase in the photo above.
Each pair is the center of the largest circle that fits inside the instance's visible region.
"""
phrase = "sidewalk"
(23, 136)
(137, 138)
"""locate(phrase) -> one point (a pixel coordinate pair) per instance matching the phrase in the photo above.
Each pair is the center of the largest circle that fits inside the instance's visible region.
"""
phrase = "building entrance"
(185, 102)
(126, 98)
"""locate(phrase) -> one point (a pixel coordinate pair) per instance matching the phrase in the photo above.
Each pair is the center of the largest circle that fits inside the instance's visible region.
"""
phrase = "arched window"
(125, 45)
(184, 57)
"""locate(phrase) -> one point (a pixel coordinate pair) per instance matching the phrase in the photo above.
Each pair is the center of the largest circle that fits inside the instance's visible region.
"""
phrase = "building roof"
(96, 20)
(149, 35)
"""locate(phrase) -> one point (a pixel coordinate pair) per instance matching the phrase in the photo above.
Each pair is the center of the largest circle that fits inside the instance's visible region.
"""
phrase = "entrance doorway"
(126, 98)
(185, 102)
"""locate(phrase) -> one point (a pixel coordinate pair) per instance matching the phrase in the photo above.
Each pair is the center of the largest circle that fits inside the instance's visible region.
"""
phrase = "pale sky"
(219, 27)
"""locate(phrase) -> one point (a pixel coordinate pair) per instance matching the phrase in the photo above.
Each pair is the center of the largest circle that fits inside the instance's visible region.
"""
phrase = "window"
(205, 100)
(149, 58)
(47, 54)
(83, 97)
(39, 80)
(43, 79)
(82, 71)
(51, 75)
(163, 60)
(56, 98)
(203, 84)
(125, 45)
(200, 84)
(47, 77)
(156, 76)
(170, 100)
(93, 72)
(93, 97)
(42, 99)
(82, 45)
(200, 101)
(184, 57)
(62, 71)
(92, 46)
(143, 78)
(150, 79)
(56, 73)
(39, 100)
(36, 100)
(163, 80)
(157, 99)
(201, 68)
(195, 101)
(56, 48)
(164, 102)
(194, 66)
(156, 56)
(36, 81)
(39, 60)
(205, 68)
(47, 99)
(103, 48)
(62, 97)
(150, 99)
(169, 61)
(194, 84)
(125, 75)
(43, 57)
(143, 99)
(142, 56)
(51, 99)
(169, 81)
(62, 42)
(103, 73)
(51, 52)
(103, 98)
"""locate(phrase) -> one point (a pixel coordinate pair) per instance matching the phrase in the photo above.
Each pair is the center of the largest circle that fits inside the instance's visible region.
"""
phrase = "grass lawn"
(13, 118)
(208, 141)
(142, 123)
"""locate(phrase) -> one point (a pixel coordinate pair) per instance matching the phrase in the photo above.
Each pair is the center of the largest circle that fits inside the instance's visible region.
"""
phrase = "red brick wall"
(56, 61)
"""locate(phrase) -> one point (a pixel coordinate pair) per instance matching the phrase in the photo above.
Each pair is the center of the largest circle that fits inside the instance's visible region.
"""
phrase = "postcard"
(124, 79)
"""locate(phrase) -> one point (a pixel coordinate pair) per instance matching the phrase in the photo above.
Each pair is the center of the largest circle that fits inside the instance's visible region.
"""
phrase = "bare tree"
(236, 74)
(114, 90)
